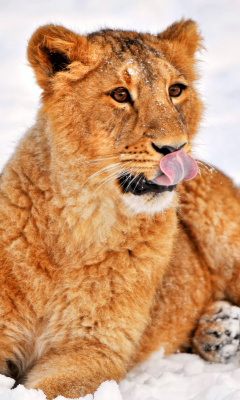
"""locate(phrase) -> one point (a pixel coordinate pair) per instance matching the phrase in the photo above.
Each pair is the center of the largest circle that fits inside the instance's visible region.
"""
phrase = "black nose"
(166, 149)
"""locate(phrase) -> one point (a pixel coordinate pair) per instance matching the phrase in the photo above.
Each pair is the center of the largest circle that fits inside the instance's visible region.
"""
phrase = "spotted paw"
(217, 336)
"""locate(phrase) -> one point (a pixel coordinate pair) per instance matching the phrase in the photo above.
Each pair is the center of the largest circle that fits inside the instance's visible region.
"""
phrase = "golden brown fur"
(92, 279)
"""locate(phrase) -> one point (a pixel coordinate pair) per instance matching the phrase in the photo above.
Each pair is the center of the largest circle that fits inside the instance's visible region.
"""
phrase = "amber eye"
(176, 90)
(121, 95)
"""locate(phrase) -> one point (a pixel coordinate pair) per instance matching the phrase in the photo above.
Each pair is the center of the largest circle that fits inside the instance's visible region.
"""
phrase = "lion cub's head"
(116, 103)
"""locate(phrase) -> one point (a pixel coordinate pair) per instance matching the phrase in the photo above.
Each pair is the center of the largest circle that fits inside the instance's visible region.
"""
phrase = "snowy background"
(178, 377)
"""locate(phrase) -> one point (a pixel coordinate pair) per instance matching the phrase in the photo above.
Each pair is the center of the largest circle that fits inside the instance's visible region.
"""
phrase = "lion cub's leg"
(217, 336)
(77, 372)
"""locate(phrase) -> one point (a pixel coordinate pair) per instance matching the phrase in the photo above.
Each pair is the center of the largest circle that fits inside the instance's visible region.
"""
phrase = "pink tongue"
(175, 167)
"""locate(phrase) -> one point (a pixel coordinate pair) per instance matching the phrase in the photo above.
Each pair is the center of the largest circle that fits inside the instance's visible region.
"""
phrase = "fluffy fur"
(94, 279)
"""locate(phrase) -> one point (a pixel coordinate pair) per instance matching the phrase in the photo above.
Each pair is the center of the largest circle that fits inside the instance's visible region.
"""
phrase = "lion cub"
(109, 248)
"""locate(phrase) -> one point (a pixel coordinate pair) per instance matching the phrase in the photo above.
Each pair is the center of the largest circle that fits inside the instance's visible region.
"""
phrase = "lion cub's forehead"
(137, 57)
(148, 71)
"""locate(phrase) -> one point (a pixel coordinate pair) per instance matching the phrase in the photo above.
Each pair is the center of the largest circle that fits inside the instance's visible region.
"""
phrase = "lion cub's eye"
(176, 90)
(121, 95)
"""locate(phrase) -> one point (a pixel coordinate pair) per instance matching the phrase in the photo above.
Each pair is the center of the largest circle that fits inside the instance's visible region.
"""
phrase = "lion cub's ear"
(52, 49)
(179, 42)
(184, 33)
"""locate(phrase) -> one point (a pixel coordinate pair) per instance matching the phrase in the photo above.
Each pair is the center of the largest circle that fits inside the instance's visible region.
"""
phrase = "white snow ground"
(180, 376)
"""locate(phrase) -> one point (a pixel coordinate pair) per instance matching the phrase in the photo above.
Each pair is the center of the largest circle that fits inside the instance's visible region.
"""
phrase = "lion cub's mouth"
(174, 168)
(139, 185)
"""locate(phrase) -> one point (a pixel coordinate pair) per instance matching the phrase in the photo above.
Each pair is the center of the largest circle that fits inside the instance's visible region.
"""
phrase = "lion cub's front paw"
(217, 336)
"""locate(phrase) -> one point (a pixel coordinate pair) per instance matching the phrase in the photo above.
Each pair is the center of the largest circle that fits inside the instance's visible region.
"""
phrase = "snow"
(176, 377)
(179, 376)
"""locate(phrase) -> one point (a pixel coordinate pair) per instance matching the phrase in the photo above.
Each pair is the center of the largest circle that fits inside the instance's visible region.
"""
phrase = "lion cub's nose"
(167, 149)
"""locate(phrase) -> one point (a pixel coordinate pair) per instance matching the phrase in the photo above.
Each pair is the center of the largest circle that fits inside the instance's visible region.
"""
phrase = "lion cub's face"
(116, 103)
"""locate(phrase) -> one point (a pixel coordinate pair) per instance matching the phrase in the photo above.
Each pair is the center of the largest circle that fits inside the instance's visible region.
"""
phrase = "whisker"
(108, 179)
(101, 171)
(114, 175)
(97, 160)
(138, 180)
(132, 180)
(208, 167)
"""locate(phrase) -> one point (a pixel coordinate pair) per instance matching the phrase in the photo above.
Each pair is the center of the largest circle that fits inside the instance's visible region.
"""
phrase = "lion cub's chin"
(149, 203)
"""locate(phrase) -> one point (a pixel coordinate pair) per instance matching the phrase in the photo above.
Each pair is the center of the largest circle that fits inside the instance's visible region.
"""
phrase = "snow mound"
(177, 377)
